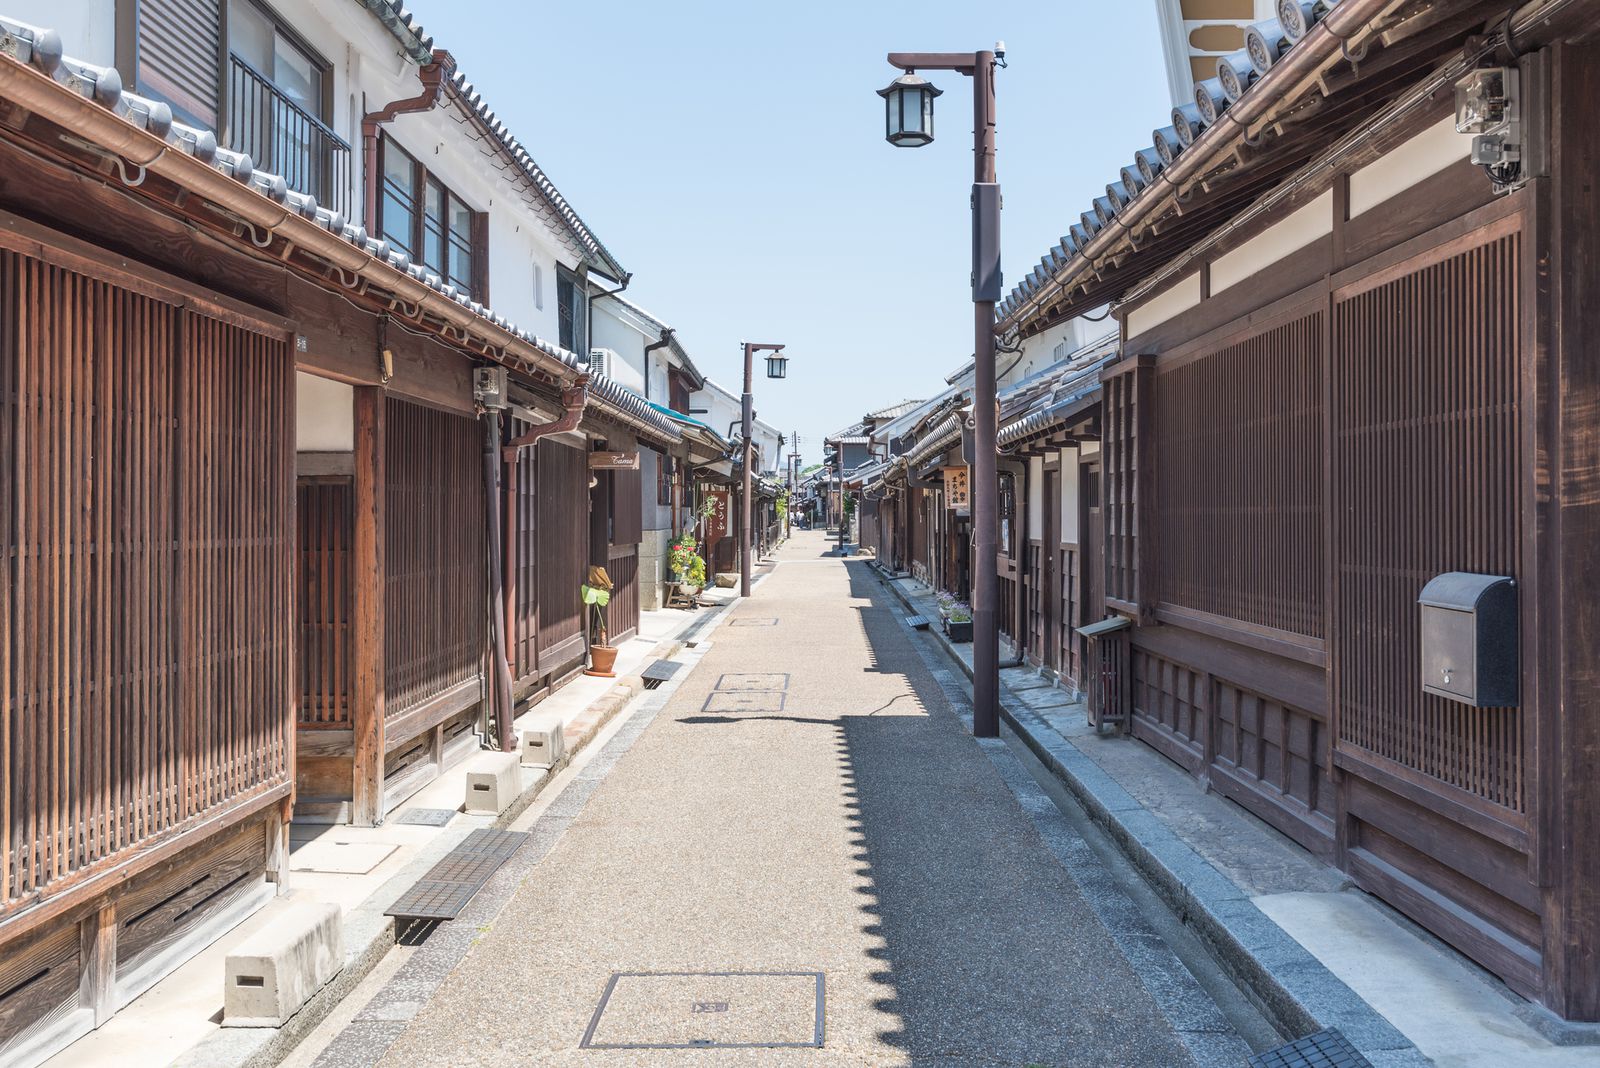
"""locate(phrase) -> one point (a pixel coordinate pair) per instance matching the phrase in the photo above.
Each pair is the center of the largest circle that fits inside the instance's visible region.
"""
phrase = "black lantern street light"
(909, 123)
(777, 365)
(908, 111)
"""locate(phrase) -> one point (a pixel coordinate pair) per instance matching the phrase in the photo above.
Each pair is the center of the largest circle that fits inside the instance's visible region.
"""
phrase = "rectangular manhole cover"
(708, 1010)
(775, 680)
(754, 623)
(744, 701)
(426, 817)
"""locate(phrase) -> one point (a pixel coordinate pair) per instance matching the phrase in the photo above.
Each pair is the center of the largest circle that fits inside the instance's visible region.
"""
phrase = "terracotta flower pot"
(602, 658)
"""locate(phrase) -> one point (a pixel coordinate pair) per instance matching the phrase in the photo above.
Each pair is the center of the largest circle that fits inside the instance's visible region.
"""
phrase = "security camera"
(999, 50)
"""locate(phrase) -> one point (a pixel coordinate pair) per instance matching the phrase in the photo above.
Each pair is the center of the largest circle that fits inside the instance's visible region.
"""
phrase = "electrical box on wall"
(489, 388)
(1469, 639)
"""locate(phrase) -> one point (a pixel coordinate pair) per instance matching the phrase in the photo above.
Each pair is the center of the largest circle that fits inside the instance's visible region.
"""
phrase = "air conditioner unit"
(602, 361)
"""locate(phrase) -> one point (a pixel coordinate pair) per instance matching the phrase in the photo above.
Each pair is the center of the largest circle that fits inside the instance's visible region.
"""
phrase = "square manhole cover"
(754, 623)
(754, 681)
(744, 701)
(708, 1010)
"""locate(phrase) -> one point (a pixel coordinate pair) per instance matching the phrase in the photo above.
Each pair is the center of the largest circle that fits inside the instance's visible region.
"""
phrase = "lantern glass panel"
(777, 366)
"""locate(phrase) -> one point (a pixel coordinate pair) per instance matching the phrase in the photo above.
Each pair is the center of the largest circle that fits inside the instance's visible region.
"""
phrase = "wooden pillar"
(277, 846)
(1567, 370)
(366, 610)
(97, 956)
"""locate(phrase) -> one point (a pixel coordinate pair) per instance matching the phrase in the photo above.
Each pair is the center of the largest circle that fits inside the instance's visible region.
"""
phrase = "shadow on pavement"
(989, 954)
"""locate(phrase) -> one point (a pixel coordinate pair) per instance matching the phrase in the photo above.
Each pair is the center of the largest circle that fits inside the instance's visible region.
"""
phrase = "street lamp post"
(909, 124)
(776, 368)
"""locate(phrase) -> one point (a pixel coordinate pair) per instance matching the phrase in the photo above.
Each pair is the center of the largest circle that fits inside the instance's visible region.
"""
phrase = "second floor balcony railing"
(284, 138)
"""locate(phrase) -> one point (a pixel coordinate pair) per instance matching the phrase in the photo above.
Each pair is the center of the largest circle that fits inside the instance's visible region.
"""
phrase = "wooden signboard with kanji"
(956, 493)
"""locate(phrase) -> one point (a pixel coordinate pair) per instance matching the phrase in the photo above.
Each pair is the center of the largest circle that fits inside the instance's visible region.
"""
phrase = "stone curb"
(370, 934)
(1296, 992)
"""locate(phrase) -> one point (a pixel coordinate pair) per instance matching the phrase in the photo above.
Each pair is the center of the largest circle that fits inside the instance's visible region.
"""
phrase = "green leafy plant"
(686, 562)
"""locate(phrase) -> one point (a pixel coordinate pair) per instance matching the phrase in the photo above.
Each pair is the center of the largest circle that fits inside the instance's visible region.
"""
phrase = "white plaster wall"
(615, 329)
(88, 28)
(1176, 299)
(1408, 163)
(1304, 226)
(324, 414)
(1069, 496)
(1035, 498)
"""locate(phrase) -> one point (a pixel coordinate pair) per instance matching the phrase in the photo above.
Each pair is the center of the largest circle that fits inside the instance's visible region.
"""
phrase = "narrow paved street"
(807, 801)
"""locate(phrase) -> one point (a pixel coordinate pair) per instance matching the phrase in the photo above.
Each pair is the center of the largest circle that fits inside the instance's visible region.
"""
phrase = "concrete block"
(493, 781)
(275, 971)
(543, 743)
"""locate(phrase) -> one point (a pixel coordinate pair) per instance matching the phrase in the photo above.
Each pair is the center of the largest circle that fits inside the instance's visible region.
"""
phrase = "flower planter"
(602, 658)
(958, 632)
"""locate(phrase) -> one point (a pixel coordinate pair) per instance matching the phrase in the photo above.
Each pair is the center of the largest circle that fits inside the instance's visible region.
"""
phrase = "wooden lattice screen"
(1424, 407)
(1126, 393)
(562, 544)
(146, 625)
(436, 600)
(324, 652)
(1239, 476)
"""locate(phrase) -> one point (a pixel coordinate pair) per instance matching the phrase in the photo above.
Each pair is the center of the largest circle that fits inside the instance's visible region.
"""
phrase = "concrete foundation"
(653, 568)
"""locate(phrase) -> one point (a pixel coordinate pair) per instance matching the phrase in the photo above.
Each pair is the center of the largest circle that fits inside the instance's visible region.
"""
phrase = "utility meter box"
(1469, 639)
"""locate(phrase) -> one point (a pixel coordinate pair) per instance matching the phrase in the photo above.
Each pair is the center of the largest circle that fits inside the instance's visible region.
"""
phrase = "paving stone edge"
(1296, 992)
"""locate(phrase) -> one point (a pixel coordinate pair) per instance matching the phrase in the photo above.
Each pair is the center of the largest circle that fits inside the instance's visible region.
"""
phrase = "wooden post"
(277, 846)
(1568, 526)
(366, 610)
(97, 974)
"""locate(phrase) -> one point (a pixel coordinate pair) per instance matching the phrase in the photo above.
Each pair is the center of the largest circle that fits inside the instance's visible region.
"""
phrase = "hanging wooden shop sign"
(956, 494)
(613, 461)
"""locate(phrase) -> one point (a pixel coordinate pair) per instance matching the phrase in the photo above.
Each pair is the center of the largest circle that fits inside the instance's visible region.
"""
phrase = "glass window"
(433, 227)
(398, 205)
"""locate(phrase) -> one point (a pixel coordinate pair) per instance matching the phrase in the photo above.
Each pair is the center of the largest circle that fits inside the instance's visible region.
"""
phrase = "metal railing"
(282, 137)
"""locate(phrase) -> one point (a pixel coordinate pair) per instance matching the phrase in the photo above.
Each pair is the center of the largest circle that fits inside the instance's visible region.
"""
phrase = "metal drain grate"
(1325, 1049)
(708, 1010)
(658, 672)
(450, 884)
(743, 701)
(426, 817)
(918, 622)
(768, 680)
(753, 623)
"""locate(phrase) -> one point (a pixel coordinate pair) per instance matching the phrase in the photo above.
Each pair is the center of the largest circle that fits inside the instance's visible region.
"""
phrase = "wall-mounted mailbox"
(1469, 638)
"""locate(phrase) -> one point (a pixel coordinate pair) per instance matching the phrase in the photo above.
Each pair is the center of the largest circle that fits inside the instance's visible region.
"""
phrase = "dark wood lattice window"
(1239, 476)
(1424, 407)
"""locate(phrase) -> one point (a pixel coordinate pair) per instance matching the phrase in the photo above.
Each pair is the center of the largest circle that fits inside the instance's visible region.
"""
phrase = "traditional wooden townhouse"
(719, 408)
(639, 351)
(293, 516)
(1346, 456)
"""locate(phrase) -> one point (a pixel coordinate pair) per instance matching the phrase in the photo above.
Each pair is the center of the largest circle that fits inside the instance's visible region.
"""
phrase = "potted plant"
(958, 621)
(596, 595)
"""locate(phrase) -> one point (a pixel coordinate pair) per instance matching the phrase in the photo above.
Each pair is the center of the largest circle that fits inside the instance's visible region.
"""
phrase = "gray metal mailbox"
(1469, 638)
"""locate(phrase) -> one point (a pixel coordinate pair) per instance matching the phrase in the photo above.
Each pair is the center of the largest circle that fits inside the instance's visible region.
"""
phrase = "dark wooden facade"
(1287, 464)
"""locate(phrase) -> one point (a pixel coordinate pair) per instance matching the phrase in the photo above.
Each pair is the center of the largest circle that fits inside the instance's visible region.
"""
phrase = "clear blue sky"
(731, 155)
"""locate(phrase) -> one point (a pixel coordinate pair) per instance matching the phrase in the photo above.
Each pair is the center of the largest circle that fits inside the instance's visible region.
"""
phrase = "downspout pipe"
(503, 540)
(502, 704)
(666, 339)
(432, 78)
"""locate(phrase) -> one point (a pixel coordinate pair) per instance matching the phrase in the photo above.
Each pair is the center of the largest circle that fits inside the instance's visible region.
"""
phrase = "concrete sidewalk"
(807, 801)
(1309, 947)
